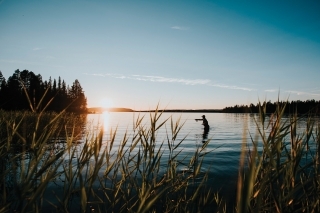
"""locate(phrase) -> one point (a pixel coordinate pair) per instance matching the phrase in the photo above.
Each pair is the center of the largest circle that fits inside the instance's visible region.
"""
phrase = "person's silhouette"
(206, 127)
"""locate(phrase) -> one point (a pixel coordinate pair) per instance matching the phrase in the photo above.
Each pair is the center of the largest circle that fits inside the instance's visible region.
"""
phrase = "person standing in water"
(206, 127)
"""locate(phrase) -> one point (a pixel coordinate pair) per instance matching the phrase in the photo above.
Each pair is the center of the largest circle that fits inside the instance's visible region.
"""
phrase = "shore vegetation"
(52, 95)
(53, 162)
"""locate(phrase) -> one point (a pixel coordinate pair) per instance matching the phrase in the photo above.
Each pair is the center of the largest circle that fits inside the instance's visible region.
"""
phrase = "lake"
(227, 133)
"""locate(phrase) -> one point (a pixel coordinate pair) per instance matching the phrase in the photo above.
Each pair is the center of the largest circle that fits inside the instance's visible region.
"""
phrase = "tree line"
(25, 90)
(300, 107)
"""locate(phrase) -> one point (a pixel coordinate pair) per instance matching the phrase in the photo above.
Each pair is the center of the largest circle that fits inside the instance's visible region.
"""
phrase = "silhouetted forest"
(300, 107)
(55, 92)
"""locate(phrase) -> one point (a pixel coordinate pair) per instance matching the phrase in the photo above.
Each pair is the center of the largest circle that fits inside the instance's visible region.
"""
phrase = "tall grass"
(30, 156)
(87, 171)
(39, 176)
(284, 175)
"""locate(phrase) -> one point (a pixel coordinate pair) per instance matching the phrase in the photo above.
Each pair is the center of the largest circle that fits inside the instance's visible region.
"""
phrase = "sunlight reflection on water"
(226, 136)
(106, 120)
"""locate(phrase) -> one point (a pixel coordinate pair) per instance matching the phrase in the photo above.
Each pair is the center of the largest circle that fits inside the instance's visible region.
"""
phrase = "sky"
(178, 54)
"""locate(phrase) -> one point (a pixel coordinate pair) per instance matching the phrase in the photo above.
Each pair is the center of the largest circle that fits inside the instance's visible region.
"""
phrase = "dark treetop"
(25, 90)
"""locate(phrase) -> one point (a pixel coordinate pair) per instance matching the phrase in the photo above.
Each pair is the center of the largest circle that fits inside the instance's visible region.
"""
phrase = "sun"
(106, 103)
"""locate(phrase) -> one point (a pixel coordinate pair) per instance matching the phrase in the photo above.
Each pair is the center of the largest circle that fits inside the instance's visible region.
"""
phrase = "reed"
(283, 176)
(87, 171)
(135, 178)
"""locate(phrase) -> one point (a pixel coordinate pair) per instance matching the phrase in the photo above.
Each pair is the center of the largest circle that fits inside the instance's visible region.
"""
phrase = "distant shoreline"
(185, 110)
(97, 110)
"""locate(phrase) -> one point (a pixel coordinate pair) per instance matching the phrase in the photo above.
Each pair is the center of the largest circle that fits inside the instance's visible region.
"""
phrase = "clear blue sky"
(183, 54)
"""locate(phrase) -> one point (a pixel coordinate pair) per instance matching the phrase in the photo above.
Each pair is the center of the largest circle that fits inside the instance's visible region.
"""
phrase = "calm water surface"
(227, 132)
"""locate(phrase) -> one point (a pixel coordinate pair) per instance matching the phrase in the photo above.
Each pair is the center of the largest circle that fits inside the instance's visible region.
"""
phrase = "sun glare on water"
(106, 103)
(106, 120)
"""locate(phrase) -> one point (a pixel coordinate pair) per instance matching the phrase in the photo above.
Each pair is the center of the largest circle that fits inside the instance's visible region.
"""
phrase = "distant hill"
(119, 110)
(97, 110)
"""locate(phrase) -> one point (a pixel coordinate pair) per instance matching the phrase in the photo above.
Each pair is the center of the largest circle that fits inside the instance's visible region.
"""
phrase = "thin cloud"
(271, 90)
(231, 87)
(101, 75)
(179, 28)
(302, 93)
(160, 79)
(169, 80)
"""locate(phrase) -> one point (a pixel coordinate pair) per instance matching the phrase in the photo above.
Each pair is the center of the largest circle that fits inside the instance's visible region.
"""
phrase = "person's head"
(203, 116)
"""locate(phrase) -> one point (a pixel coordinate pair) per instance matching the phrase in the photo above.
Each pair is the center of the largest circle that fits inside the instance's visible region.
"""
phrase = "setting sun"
(106, 103)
